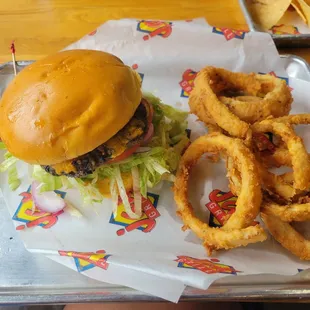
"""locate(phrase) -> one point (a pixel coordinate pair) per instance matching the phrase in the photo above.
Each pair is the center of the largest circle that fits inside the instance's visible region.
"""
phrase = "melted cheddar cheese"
(117, 144)
(65, 166)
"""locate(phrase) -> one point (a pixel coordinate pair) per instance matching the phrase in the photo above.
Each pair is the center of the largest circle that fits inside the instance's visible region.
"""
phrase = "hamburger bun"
(66, 105)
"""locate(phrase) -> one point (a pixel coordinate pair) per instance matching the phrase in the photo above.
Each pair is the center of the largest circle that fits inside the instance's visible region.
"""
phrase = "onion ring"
(276, 185)
(287, 236)
(237, 231)
(234, 176)
(277, 218)
(296, 149)
(233, 114)
(294, 119)
(281, 156)
(295, 155)
(288, 213)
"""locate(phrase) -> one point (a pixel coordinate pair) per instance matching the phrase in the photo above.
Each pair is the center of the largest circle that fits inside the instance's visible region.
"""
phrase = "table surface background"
(42, 27)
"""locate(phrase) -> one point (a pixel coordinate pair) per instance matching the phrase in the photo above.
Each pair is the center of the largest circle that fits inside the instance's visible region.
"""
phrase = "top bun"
(66, 105)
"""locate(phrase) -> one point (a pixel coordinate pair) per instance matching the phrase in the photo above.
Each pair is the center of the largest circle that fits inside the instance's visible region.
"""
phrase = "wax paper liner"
(154, 250)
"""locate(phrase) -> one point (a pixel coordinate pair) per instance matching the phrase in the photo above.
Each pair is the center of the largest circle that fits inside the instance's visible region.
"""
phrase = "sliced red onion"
(149, 108)
(149, 135)
(47, 201)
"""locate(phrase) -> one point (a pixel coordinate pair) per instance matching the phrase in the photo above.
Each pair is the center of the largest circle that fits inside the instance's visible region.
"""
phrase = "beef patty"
(126, 138)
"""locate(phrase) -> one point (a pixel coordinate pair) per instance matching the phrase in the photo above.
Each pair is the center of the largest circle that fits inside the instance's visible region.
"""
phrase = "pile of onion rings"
(213, 100)
(247, 116)
(238, 229)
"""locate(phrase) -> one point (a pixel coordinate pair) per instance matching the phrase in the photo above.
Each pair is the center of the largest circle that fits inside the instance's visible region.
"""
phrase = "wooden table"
(41, 27)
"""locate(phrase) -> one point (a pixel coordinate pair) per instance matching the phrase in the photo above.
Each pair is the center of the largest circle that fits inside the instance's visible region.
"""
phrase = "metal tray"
(283, 40)
(27, 278)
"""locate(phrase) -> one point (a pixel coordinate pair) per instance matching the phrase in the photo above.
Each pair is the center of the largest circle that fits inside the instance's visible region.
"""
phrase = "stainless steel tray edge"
(127, 295)
(26, 279)
(283, 40)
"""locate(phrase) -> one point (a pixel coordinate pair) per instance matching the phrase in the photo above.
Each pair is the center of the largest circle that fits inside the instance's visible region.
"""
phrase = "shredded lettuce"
(161, 161)
(9, 165)
(2, 146)
(123, 194)
(13, 178)
(158, 162)
(114, 195)
(9, 161)
(48, 181)
(173, 154)
(152, 165)
(72, 210)
(89, 193)
(169, 123)
(136, 191)
(165, 110)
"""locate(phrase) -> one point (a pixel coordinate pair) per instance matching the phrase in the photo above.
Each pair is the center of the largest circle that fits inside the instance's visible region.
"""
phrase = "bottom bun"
(104, 185)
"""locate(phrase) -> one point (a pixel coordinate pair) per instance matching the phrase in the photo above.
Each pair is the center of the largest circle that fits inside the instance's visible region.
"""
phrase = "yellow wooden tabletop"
(41, 27)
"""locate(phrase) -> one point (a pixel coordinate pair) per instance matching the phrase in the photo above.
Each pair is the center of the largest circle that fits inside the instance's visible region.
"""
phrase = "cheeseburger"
(80, 119)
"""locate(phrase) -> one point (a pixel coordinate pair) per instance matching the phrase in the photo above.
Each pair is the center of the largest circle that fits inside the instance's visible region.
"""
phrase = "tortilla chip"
(267, 13)
(305, 8)
(298, 9)
(284, 29)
